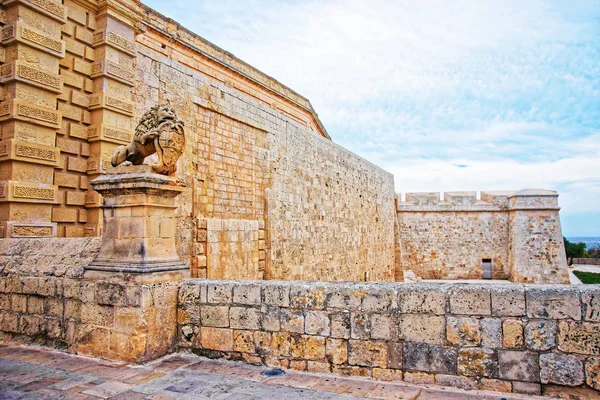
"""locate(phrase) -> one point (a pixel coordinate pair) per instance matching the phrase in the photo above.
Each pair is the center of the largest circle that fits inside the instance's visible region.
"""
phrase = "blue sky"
(447, 95)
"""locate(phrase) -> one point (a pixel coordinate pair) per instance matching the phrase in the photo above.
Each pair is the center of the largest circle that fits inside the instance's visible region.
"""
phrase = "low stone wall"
(503, 337)
(586, 261)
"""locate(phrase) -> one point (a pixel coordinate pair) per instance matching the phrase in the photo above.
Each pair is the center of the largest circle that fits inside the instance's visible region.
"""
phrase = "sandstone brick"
(111, 293)
(389, 375)
(244, 318)
(307, 297)
(219, 293)
(243, 341)
(590, 299)
(512, 334)
(534, 389)
(318, 367)
(216, 338)
(491, 333)
(188, 314)
(336, 351)
(540, 335)
(420, 299)
(292, 320)
(429, 358)
(18, 303)
(349, 299)
(463, 331)
(561, 369)
(35, 305)
(395, 350)
(317, 323)
(360, 325)
(10, 322)
(30, 325)
(477, 362)
(345, 370)
(592, 372)
(367, 353)
(381, 327)
(422, 328)
(314, 347)
(282, 343)
(579, 337)
(340, 325)
(508, 301)
(469, 300)
(298, 365)
(271, 318)
(189, 292)
(553, 303)
(519, 365)
(419, 378)
(495, 385)
(461, 382)
(246, 294)
(277, 295)
(215, 316)
(381, 301)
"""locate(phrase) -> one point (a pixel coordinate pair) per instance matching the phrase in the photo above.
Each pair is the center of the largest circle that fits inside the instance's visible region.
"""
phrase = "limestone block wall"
(44, 299)
(519, 232)
(501, 337)
(330, 213)
(256, 154)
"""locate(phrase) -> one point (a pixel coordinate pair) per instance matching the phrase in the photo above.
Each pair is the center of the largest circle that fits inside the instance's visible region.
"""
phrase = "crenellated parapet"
(488, 201)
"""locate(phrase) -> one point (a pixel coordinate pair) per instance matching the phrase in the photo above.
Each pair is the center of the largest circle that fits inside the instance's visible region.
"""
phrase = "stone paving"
(37, 373)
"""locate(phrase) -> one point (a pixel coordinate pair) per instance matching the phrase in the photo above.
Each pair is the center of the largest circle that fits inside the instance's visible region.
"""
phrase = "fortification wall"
(300, 206)
(519, 232)
(502, 337)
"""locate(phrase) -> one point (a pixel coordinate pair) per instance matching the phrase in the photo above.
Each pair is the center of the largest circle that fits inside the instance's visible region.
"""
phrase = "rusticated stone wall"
(502, 337)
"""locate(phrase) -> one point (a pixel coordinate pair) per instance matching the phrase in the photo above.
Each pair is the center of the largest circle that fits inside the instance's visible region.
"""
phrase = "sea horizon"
(590, 241)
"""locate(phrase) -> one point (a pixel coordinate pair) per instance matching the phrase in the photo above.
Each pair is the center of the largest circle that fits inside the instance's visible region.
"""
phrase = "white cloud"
(510, 89)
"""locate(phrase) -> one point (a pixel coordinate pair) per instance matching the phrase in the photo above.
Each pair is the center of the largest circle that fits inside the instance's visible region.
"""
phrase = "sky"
(447, 95)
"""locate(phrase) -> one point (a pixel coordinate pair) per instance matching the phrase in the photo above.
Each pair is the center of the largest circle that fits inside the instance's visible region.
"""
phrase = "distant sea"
(589, 241)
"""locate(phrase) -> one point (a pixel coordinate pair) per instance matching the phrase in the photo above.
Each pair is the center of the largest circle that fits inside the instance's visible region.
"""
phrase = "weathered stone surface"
(590, 299)
(561, 369)
(244, 318)
(534, 389)
(214, 316)
(540, 335)
(579, 337)
(477, 362)
(360, 325)
(389, 375)
(463, 331)
(340, 325)
(495, 385)
(421, 328)
(271, 318)
(220, 293)
(553, 303)
(470, 300)
(216, 338)
(422, 299)
(292, 320)
(367, 353)
(512, 331)
(491, 333)
(307, 297)
(519, 365)
(243, 341)
(592, 372)
(508, 301)
(277, 294)
(381, 327)
(419, 378)
(337, 351)
(247, 293)
(461, 382)
(429, 358)
(395, 350)
(317, 323)
(381, 301)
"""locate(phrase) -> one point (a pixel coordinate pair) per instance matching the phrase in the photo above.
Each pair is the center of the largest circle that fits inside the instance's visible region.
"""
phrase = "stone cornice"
(126, 11)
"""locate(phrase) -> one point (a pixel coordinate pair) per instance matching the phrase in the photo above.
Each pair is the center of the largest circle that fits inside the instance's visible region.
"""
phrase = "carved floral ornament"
(159, 131)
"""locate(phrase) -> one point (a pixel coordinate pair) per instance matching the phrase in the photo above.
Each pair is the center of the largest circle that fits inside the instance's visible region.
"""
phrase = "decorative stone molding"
(109, 133)
(31, 230)
(22, 72)
(115, 40)
(22, 33)
(49, 8)
(20, 110)
(113, 71)
(29, 152)
(104, 100)
(28, 192)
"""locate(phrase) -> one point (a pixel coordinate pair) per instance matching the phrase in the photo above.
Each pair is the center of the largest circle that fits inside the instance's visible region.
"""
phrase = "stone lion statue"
(159, 131)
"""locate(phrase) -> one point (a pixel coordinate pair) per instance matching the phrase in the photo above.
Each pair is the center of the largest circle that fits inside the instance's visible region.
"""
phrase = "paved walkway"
(580, 267)
(35, 373)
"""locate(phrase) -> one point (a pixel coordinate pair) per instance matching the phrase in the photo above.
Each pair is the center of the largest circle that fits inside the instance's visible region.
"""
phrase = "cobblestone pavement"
(36, 373)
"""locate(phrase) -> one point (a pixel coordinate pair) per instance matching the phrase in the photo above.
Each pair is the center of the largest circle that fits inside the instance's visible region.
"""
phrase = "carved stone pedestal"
(137, 272)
